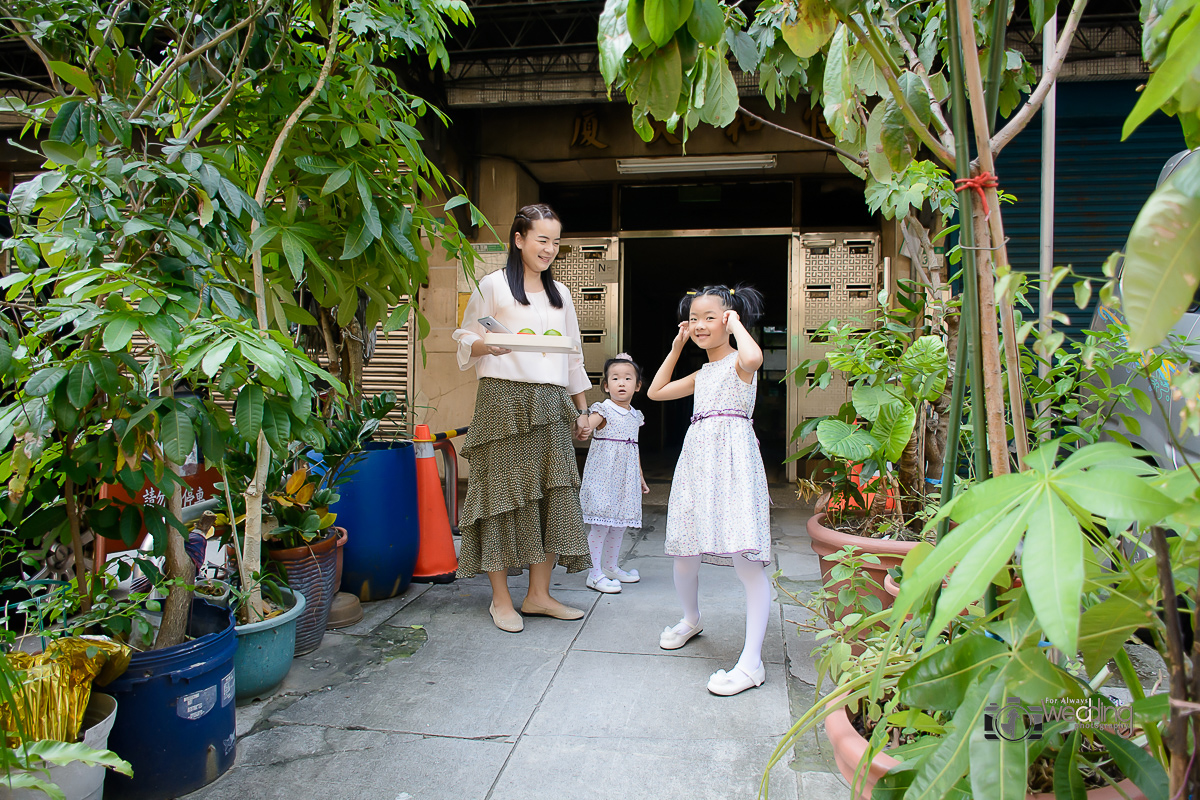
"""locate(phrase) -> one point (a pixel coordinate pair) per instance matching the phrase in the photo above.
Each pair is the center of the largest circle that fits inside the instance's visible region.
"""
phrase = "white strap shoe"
(621, 575)
(603, 584)
(735, 681)
(670, 640)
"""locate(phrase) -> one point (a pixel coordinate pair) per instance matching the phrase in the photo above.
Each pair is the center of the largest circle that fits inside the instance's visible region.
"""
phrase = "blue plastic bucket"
(175, 712)
(378, 508)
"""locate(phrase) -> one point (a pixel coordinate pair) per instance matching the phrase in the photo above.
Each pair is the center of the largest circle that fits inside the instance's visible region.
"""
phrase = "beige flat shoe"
(566, 612)
(509, 623)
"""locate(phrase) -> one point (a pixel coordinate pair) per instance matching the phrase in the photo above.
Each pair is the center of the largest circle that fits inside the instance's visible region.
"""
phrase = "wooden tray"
(531, 343)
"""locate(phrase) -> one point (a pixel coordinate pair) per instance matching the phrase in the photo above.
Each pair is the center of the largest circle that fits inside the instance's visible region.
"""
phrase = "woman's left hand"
(731, 317)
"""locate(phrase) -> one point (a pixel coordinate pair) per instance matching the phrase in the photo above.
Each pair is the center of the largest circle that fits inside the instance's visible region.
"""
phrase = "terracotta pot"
(849, 747)
(310, 571)
(341, 542)
(826, 541)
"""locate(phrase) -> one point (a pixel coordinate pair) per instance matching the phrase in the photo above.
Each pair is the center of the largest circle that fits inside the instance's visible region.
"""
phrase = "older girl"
(522, 506)
(719, 510)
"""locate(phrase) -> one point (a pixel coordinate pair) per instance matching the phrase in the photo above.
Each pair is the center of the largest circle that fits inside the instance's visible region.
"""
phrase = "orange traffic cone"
(436, 560)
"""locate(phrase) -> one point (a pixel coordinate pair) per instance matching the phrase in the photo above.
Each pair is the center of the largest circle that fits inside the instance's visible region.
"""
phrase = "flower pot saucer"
(346, 610)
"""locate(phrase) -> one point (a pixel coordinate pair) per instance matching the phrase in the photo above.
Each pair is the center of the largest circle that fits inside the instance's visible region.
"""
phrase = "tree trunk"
(251, 561)
(82, 578)
(909, 468)
(179, 567)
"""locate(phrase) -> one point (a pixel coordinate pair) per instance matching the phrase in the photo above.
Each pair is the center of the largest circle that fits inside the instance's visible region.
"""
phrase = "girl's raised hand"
(731, 317)
(682, 337)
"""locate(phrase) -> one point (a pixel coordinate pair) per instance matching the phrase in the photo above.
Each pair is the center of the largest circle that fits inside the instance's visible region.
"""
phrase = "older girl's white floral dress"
(611, 492)
(719, 504)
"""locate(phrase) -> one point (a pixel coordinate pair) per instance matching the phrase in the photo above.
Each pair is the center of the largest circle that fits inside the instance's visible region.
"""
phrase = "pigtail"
(748, 303)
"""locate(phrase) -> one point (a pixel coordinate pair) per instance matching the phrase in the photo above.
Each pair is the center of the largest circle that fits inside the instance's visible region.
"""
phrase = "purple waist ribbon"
(619, 441)
(724, 412)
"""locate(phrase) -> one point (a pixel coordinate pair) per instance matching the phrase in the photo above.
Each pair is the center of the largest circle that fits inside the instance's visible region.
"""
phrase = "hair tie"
(623, 357)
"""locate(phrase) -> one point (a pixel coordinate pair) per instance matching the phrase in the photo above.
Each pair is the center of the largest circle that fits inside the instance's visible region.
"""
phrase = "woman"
(522, 507)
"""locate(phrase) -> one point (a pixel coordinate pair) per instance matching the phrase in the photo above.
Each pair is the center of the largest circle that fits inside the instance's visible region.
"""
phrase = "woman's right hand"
(682, 337)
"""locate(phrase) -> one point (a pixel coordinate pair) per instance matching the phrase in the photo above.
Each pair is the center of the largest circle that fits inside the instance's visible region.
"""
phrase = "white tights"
(753, 575)
(605, 543)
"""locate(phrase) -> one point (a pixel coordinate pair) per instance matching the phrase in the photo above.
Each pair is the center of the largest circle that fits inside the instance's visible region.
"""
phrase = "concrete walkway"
(425, 699)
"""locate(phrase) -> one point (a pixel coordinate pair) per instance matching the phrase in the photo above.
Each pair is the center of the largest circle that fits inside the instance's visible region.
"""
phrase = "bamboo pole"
(1049, 137)
(970, 302)
(988, 302)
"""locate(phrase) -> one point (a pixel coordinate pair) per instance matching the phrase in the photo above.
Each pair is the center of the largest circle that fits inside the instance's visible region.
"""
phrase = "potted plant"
(874, 497)
(267, 646)
(41, 755)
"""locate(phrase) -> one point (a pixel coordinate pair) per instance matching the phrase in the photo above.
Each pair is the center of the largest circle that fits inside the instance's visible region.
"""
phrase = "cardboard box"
(531, 343)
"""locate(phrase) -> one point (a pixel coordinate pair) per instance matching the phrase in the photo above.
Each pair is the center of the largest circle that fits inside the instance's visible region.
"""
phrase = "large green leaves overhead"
(613, 39)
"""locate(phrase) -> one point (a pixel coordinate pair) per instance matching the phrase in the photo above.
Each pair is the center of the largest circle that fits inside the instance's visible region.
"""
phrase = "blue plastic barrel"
(175, 712)
(378, 509)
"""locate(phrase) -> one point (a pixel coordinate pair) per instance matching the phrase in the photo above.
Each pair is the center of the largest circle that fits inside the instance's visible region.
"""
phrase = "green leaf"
(177, 436)
(1068, 780)
(894, 428)
(925, 367)
(1162, 258)
(62, 753)
(118, 332)
(838, 99)
(1138, 765)
(398, 318)
(1052, 566)
(950, 761)
(869, 399)
(1169, 78)
(843, 441)
(707, 22)
(1113, 493)
(814, 26)
(664, 17)
(899, 141)
(1106, 626)
(293, 251)
(940, 679)
(370, 212)
(216, 355)
(42, 382)
(81, 386)
(298, 315)
(61, 153)
(998, 768)
(74, 76)
(107, 374)
(248, 412)
(317, 165)
(659, 81)
(336, 181)
(720, 92)
(635, 20)
(67, 122)
(988, 553)
(277, 425)
(613, 40)
(358, 238)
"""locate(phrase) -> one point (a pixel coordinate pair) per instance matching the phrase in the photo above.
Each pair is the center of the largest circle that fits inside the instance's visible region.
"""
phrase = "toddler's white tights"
(605, 543)
(753, 575)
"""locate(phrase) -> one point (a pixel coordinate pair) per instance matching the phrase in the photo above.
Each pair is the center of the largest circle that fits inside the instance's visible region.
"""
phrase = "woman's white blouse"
(494, 299)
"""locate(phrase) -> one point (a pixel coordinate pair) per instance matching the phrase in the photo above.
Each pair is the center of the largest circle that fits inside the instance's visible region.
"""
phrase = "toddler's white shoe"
(621, 575)
(670, 640)
(735, 681)
(603, 584)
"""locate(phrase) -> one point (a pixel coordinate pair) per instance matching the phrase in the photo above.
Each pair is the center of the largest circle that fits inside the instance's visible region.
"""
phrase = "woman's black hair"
(621, 358)
(745, 300)
(514, 270)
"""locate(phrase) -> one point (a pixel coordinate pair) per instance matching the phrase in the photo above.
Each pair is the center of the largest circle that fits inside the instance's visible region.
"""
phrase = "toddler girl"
(719, 508)
(612, 477)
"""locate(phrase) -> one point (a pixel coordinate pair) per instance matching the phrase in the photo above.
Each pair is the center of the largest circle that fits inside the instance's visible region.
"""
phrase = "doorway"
(656, 274)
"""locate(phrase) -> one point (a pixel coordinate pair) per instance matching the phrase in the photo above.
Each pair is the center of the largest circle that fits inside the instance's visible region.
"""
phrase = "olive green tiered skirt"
(523, 491)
